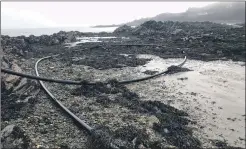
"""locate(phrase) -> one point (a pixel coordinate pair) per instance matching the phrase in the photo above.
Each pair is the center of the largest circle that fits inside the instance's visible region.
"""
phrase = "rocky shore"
(29, 119)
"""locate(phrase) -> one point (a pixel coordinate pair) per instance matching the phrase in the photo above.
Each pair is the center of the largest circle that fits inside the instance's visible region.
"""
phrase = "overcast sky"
(70, 14)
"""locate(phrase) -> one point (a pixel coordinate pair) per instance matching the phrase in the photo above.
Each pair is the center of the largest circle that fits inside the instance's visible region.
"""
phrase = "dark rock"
(223, 144)
(14, 137)
(206, 40)
(103, 138)
(194, 94)
(178, 135)
(122, 30)
(104, 100)
(149, 72)
(176, 69)
(107, 60)
(213, 102)
(182, 79)
(18, 95)
(242, 139)
(64, 146)
(132, 134)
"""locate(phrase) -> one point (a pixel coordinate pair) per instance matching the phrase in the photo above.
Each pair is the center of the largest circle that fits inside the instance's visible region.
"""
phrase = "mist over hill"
(223, 12)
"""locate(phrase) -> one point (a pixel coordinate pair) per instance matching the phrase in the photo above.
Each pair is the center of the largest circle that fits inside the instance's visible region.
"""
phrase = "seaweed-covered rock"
(14, 137)
(15, 45)
(17, 94)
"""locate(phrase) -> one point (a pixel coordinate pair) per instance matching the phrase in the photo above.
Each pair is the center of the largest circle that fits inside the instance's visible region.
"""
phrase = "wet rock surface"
(120, 114)
(199, 40)
(223, 144)
(18, 95)
(149, 72)
(100, 58)
(14, 137)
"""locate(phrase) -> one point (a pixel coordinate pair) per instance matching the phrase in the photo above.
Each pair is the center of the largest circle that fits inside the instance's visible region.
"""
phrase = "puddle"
(157, 63)
(93, 39)
(125, 55)
(96, 38)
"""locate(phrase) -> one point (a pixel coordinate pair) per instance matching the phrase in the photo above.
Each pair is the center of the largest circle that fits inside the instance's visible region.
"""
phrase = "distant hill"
(223, 12)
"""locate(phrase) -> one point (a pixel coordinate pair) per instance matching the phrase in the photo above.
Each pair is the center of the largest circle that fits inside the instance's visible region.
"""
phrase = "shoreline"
(196, 102)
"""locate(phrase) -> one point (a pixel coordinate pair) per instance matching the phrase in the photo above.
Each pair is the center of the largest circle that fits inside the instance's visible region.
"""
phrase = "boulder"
(14, 137)
(12, 80)
(18, 100)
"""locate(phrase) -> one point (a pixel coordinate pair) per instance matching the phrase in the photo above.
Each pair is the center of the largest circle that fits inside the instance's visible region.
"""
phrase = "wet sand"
(213, 94)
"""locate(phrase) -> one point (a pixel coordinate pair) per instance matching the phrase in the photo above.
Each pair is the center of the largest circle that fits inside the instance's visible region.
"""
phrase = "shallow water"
(50, 31)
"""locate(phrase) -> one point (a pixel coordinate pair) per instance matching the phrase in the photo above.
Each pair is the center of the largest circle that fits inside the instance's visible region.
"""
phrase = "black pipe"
(57, 101)
(152, 76)
(92, 131)
(80, 82)
(39, 78)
